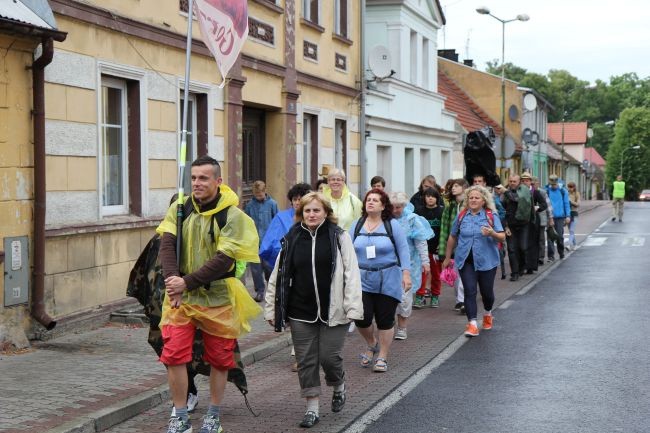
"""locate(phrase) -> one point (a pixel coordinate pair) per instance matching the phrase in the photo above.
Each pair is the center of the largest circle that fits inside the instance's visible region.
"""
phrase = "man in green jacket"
(619, 198)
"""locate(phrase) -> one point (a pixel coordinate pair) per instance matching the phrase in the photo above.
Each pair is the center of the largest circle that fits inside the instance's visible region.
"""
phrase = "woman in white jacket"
(315, 287)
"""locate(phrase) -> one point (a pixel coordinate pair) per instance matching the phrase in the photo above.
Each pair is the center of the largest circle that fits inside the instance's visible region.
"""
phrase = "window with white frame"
(310, 10)
(114, 146)
(310, 149)
(190, 139)
(341, 17)
(340, 144)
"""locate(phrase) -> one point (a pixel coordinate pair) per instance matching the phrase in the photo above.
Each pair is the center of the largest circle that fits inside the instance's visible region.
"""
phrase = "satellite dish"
(513, 112)
(379, 61)
(530, 102)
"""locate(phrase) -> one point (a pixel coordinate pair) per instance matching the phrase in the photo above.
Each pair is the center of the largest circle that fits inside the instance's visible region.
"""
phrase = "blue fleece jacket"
(559, 198)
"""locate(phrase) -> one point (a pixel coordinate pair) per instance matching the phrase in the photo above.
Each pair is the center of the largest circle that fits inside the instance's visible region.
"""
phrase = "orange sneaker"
(471, 330)
(487, 322)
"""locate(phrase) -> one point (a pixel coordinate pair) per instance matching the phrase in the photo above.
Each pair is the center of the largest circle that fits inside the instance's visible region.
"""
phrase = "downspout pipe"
(38, 84)
(362, 100)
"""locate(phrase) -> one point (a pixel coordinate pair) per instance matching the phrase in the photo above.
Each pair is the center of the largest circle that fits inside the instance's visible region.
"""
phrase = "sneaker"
(419, 302)
(462, 308)
(435, 303)
(178, 425)
(471, 330)
(309, 420)
(192, 401)
(613, 218)
(338, 400)
(400, 334)
(620, 220)
(487, 322)
(457, 306)
(211, 424)
(259, 297)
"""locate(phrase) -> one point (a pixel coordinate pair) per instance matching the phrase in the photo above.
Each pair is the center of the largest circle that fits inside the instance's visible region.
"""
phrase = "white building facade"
(409, 134)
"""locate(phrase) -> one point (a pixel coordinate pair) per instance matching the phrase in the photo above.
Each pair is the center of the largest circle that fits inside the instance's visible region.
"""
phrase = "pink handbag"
(449, 274)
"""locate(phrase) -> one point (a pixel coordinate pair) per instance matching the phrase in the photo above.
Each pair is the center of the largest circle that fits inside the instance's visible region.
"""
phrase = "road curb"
(117, 413)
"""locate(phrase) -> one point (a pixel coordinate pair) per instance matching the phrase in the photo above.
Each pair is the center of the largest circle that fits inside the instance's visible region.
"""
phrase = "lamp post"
(521, 17)
(623, 156)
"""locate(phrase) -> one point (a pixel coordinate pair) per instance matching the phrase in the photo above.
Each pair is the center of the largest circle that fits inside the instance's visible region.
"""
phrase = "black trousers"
(517, 247)
(532, 253)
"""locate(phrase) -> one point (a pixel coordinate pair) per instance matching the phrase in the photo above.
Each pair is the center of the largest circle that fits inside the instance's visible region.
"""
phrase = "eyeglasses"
(335, 179)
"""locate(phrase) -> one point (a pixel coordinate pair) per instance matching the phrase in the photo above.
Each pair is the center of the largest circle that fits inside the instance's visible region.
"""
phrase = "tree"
(632, 129)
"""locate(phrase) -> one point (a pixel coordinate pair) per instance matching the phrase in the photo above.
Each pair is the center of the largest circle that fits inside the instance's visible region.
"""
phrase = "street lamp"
(521, 17)
(623, 156)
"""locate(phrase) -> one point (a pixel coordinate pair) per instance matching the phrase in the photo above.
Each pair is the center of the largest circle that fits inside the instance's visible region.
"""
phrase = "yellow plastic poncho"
(226, 308)
(347, 208)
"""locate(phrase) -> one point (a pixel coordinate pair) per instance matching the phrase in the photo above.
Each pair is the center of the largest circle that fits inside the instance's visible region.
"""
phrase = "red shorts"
(178, 342)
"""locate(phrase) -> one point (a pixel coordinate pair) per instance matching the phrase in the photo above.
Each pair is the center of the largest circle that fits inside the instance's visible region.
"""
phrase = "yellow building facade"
(114, 97)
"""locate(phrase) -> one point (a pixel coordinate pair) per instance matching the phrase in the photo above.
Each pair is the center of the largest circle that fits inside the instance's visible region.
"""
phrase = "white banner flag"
(224, 28)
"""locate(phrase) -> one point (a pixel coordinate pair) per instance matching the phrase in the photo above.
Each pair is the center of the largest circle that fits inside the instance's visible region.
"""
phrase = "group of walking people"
(329, 260)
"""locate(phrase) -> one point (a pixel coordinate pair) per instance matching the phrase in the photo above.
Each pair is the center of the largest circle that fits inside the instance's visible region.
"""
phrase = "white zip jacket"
(345, 289)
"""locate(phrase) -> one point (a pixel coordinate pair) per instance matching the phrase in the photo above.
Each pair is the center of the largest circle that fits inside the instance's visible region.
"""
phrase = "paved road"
(569, 355)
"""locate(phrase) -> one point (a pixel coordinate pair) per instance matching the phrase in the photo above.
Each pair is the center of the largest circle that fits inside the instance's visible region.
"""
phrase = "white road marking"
(633, 241)
(506, 304)
(592, 241)
(389, 401)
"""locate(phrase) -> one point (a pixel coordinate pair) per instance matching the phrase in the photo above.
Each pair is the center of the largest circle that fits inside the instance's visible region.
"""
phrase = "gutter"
(38, 86)
(362, 101)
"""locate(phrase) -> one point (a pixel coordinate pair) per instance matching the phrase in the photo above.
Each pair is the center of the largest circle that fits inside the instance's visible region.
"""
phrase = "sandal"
(367, 360)
(380, 366)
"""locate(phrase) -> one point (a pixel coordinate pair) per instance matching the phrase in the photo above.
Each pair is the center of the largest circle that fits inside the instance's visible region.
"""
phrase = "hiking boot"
(400, 334)
(419, 302)
(338, 400)
(178, 425)
(192, 401)
(309, 420)
(487, 322)
(211, 424)
(434, 303)
(471, 330)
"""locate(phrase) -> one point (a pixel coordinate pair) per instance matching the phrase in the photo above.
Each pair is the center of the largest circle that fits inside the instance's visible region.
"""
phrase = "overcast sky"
(592, 39)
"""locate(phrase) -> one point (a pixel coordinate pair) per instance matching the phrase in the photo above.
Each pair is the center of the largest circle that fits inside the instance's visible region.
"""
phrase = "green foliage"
(632, 129)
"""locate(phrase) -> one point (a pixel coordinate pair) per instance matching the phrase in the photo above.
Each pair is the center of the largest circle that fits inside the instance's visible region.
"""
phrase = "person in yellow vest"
(619, 198)
(347, 207)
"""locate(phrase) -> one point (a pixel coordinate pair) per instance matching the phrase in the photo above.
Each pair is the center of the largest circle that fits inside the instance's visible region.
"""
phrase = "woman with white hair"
(347, 207)
(474, 236)
(417, 231)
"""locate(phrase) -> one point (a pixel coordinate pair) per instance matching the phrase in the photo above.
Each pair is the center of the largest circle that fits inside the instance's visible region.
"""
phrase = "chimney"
(468, 62)
(449, 54)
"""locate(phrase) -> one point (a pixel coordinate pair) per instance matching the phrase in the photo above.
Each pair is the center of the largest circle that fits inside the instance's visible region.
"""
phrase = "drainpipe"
(38, 84)
(362, 100)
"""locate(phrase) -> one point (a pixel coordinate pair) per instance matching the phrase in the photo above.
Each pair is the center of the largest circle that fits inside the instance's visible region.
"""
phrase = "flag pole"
(182, 151)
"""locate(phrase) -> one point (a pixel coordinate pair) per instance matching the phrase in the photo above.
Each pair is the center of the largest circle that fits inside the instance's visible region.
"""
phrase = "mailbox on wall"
(16, 271)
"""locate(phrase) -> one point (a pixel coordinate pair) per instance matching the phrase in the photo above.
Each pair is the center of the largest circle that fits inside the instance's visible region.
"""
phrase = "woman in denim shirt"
(475, 240)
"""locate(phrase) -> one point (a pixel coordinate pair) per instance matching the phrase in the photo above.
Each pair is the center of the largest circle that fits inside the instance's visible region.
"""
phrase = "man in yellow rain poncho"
(204, 293)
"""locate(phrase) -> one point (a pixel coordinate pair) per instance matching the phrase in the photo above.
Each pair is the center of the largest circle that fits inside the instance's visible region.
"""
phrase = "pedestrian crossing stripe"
(628, 241)
(594, 241)
(633, 242)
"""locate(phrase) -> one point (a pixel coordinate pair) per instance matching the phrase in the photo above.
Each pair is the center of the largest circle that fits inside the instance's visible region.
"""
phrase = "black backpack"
(389, 233)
